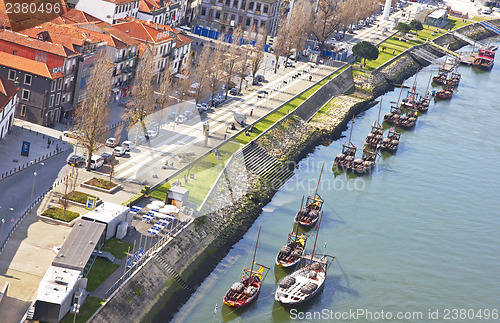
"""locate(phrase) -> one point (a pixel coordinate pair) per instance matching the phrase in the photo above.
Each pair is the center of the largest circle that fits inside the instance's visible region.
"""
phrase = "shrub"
(78, 197)
(101, 183)
(58, 213)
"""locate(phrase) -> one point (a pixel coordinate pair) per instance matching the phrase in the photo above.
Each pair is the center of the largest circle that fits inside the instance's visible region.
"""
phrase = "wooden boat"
(290, 254)
(395, 112)
(344, 159)
(443, 94)
(484, 59)
(245, 291)
(391, 143)
(308, 215)
(409, 119)
(376, 135)
(440, 78)
(365, 164)
(304, 283)
(423, 102)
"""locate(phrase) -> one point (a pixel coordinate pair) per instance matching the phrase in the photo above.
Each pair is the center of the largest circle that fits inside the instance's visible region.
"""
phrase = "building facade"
(109, 11)
(226, 15)
(160, 11)
(8, 103)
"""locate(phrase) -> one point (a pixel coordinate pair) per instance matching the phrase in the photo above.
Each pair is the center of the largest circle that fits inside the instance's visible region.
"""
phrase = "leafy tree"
(403, 27)
(366, 50)
(416, 25)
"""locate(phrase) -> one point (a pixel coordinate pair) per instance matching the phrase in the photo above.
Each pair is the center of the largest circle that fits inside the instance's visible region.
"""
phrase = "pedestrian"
(377, 25)
(251, 112)
(383, 48)
(278, 66)
(310, 78)
(393, 51)
(225, 136)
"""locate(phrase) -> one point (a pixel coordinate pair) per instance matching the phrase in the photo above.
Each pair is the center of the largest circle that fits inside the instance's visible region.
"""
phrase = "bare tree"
(232, 55)
(142, 91)
(327, 20)
(243, 66)
(301, 17)
(215, 72)
(201, 73)
(92, 115)
(258, 52)
(164, 95)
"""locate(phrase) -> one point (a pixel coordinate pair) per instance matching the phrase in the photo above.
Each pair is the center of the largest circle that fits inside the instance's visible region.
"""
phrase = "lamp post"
(76, 310)
(3, 222)
(34, 178)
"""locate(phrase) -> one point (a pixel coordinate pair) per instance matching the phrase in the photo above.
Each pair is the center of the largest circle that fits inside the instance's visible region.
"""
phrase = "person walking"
(251, 112)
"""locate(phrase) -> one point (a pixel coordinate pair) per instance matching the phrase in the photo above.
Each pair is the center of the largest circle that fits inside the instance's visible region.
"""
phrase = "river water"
(419, 235)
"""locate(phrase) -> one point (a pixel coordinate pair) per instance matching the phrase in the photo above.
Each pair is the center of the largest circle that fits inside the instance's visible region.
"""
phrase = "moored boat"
(443, 94)
(376, 135)
(484, 59)
(345, 158)
(304, 283)
(308, 215)
(246, 290)
(409, 119)
(391, 143)
(365, 164)
(290, 254)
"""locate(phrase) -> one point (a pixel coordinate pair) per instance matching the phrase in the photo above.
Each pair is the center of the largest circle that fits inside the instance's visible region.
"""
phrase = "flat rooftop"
(56, 284)
(106, 212)
(78, 247)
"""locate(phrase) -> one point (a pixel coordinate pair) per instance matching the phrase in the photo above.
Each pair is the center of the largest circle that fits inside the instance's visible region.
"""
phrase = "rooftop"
(145, 32)
(56, 283)
(7, 91)
(106, 212)
(28, 65)
(78, 247)
(437, 14)
(35, 43)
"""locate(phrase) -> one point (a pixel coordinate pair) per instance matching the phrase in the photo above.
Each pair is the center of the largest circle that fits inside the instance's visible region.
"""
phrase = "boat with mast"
(376, 135)
(392, 116)
(290, 254)
(245, 291)
(304, 283)
(424, 101)
(409, 119)
(444, 94)
(308, 215)
(364, 164)
(344, 159)
(442, 75)
(391, 143)
(484, 59)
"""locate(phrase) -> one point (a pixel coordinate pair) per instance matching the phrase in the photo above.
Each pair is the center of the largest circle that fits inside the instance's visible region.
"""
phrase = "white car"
(151, 133)
(118, 151)
(128, 145)
(112, 142)
(181, 119)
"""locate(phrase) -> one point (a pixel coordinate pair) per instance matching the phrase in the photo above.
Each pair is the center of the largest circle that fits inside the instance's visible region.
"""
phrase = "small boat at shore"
(393, 116)
(245, 291)
(443, 94)
(365, 164)
(484, 59)
(308, 215)
(345, 158)
(391, 143)
(376, 135)
(290, 254)
(304, 283)
(408, 120)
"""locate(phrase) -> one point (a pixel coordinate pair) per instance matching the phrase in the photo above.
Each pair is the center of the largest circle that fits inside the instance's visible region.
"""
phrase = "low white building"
(110, 214)
(8, 103)
(55, 294)
(109, 11)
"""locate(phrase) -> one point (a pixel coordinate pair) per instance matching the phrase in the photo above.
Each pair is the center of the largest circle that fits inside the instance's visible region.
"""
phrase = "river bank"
(200, 247)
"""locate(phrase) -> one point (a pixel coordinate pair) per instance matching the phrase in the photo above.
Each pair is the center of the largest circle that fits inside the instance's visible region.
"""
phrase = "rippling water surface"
(421, 233)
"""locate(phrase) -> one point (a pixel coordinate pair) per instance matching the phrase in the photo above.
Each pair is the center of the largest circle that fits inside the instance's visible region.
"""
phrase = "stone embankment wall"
(198, 249)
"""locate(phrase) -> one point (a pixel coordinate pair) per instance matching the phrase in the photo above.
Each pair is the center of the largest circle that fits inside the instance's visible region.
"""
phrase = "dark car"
(255, 81)
(260, 78)
(261, 94)
(108, 158)
(76, 160)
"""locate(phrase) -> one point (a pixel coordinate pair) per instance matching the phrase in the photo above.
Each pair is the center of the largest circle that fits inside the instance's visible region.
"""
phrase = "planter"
(88, 184)
(97, 203)
(56, 213)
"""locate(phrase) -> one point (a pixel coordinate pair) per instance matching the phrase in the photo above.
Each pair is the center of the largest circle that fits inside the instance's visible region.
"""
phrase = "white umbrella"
(159, 203)
(152, 206)
(169, 209)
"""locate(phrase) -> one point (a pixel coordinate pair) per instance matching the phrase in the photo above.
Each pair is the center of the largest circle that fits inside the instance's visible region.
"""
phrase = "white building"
(8, 103)
(164, 12)
(109, 11)
(55, 294)
(110, 214)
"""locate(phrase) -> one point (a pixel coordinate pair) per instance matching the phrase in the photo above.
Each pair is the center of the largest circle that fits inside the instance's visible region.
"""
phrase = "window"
(243, 4)
(249, 20)
(224, 16)
(228, 2)
(53, 86)
(210, 13)
(235, 4)
(240, 20)
(59, 85)
(51, 100)
(250, 6)
(258, 7)
(23, 110)
(26, 95)
(203, 11)
(14, 52)
(217, 15)
(12, 75)
(265, 9)
(58, 99)
(263, 23)
(64, 99)
(233, 17)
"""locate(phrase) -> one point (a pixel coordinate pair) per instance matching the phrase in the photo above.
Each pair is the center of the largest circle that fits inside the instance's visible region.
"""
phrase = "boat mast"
(317, 185)
(379, 109)
(254, 252)
(352, 126)
(428, 83)
(315, 240)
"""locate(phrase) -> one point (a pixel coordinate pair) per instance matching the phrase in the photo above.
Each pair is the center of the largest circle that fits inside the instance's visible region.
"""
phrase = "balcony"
(121, 58)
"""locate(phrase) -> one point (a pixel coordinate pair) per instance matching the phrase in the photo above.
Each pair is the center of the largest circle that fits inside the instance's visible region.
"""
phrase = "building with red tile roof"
(160, 11)
(8, 103)
(109, 11)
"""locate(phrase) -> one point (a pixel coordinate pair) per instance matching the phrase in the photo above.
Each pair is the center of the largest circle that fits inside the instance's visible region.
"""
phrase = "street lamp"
(76, 310)
(34, 178)
(3, 222)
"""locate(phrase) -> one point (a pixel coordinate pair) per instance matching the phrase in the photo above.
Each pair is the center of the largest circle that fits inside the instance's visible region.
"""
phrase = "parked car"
(260, 78)
(203, 107)
(255, 81)
(234, 91)
(151, 133)
(289, 64)
(486, 11)
(119, 151)
(76, 160)
(71, 134)
(96, 162)
(112, 142)
(189, 114)
(108, 158)
(128, 145)
(181, 119)
(261, 94)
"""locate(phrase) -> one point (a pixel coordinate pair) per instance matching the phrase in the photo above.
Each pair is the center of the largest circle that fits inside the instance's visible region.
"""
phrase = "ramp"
(469, 40)
(424, 54)
(490, 27)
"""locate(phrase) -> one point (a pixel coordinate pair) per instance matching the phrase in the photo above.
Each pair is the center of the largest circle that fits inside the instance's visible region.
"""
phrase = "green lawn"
(58, 213)
(455, 23)
(117, 248)
(100, 271)
(205, 173)
(86, 311)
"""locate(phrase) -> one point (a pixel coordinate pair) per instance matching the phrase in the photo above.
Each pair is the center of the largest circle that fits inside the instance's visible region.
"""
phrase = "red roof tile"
(7, 91)
(183, 40)
(27, 65)
(144, 32)
(35, 43)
